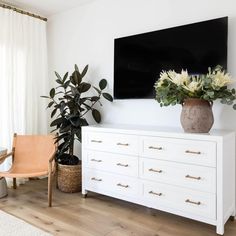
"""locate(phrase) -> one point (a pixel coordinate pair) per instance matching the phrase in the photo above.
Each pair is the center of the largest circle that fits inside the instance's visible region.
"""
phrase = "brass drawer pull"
(156, 148)
(153, 170)
(122, 185)
(157, 194)
(120, 164)
(96, 160)
(122, 144)
(192, 202)
(192, 177)
(192, 152)
(95, 179)
(96, 141)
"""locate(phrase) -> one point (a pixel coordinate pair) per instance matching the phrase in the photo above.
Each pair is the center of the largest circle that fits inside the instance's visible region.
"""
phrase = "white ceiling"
(45, 7)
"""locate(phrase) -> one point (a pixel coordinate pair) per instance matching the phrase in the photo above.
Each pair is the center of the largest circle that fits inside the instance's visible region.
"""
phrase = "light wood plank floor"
(97, 215)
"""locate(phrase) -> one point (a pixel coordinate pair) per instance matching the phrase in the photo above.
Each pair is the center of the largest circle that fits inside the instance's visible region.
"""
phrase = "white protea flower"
(171, 74)
(220, 79)
(179, 79)
(163, 76)
(193, 86)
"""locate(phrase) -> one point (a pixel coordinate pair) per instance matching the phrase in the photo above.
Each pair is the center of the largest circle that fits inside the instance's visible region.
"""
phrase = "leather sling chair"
(32, 156)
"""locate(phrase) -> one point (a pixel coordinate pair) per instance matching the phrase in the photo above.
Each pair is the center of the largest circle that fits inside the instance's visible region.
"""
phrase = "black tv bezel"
(164, 29)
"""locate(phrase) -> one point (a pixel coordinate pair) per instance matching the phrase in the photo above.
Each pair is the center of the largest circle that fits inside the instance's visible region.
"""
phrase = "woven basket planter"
(69, 178)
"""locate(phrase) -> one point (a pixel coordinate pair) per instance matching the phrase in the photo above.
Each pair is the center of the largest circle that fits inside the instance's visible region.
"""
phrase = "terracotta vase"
(196, 116)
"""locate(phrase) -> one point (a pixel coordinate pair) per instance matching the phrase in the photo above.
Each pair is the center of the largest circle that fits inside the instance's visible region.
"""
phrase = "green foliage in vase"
(70, 106)
(173, 88)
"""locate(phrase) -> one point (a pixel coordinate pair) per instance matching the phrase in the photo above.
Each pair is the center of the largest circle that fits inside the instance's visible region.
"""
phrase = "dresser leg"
(220, 229)
(84, 193)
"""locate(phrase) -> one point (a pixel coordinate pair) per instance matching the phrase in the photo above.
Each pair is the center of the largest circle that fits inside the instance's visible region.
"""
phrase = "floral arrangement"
(173, 88)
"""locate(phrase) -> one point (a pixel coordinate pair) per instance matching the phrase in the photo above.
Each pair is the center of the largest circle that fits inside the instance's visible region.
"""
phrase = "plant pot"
(196, 116)
(69, 178)
(3, 187)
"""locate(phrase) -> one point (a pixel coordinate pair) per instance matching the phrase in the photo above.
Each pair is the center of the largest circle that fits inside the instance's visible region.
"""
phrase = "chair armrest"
(52, 158)
(4, 156)
(51, 164)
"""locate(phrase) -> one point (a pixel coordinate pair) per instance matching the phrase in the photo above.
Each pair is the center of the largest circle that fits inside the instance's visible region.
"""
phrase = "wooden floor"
(97, 215)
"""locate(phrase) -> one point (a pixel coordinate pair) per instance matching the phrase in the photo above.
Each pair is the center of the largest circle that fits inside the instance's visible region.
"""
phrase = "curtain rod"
(22, 12)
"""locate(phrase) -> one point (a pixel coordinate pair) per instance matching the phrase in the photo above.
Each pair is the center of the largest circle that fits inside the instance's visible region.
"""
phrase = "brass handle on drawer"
(95, 179)
(192, 202)
(158, 194)
(153, 170)
(122, 144)
(192, 177)
(122, 185)
(192, 152)
(120, 164)
(96, 160)
(157, 148)
(96, 141)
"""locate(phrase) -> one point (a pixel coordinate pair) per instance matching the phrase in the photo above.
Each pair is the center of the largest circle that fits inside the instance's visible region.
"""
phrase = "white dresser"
(191, 175)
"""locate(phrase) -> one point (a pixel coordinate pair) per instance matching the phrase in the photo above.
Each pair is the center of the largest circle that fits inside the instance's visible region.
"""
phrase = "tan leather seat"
(33, 156)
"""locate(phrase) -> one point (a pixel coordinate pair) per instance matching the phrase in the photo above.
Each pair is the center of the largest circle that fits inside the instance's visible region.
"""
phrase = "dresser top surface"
(158, 130)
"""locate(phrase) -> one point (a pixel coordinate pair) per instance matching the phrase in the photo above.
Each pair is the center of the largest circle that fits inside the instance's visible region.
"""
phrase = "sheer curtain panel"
(23, 76)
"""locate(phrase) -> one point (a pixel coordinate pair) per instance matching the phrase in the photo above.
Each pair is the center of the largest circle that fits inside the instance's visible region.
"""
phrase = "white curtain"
(23, 76)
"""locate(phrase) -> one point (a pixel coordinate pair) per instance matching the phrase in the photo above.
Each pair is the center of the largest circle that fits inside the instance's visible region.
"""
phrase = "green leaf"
(66, 84)
(50, 104)
(65, 77)
(58, 76)
(210, 93)
(99, 91)
(94, 98)
(223, 101)
(96, 115)
(75, 121)
(78, 134)
(107, 96)
(53, 112)
(84, 122)
(84, 71)
(44, 97)
(62, 136)
(74, 91)
(63, 147)
(234, 106)
(58, 121)
(65, 129)
(76, 78)
(76, 68)
(59, 81)
(52, 92)
(102, 84)
(84, 87)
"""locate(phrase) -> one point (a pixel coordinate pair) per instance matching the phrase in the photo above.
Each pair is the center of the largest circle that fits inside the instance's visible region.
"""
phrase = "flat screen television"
(139, 59)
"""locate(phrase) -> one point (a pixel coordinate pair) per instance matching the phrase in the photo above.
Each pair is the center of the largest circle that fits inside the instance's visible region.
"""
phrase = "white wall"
(85, 35)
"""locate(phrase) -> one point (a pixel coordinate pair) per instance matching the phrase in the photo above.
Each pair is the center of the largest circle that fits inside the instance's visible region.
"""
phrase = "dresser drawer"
(117, 143)
(180, 150)
(114, 163)
(98, 180)
(193, 177)
(193, 202)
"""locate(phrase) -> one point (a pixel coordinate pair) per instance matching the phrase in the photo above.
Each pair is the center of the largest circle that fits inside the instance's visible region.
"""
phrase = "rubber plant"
(71, 104)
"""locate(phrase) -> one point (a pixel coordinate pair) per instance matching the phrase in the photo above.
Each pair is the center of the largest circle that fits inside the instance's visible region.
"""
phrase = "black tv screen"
(139, 59)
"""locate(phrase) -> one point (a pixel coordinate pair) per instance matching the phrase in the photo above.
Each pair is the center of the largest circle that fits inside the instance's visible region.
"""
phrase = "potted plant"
(71, 104)
(196, 94)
